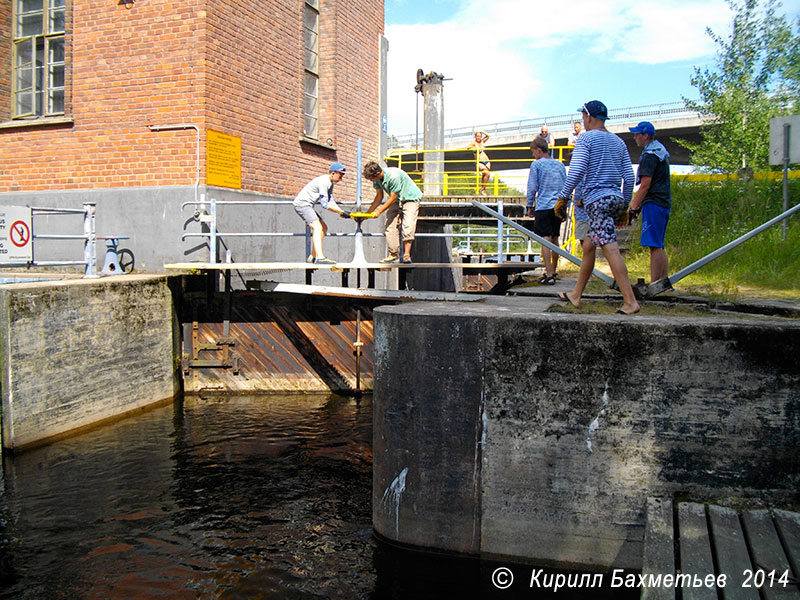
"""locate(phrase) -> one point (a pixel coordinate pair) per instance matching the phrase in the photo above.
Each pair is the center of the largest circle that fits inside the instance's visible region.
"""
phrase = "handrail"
(470, 179)
(89, 237)
(523, 126)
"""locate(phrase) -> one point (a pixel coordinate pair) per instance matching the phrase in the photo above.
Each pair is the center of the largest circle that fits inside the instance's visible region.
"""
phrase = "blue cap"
(337, 167)
(595, 109)
(645, 127)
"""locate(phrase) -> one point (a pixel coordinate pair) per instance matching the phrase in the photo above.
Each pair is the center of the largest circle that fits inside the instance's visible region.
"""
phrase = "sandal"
(547, 280)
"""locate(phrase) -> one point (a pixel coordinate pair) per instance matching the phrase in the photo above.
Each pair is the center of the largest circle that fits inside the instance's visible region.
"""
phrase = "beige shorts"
(581, 230)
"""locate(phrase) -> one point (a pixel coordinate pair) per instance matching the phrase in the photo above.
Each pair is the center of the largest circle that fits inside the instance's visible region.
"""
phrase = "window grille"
(311, 63)
(38, 58)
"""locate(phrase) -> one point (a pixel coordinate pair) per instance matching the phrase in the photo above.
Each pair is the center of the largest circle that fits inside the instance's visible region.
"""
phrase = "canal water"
(223, 497)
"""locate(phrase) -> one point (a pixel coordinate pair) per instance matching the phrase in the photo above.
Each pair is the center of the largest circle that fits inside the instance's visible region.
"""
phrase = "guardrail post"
(89, 239)
(212, 225)
(500, 257)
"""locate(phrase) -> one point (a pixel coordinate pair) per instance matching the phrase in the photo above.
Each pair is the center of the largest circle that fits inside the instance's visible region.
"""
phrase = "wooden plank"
(323, 290)
(659, 547)
(768, 554)
(788, 526)
(695, 549)
(731, 550)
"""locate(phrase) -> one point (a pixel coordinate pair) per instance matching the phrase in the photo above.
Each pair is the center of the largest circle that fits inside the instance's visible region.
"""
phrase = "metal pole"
(786, 131)
(500, 257)
(212, 224)
(358, 175)
(573, 259)
(667, 282)
(90, 238)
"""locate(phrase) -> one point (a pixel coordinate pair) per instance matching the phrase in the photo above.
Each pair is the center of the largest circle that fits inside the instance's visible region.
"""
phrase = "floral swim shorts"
(602, 215)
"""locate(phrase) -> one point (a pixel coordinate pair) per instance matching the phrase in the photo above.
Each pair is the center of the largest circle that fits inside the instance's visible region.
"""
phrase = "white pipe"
(197, 148)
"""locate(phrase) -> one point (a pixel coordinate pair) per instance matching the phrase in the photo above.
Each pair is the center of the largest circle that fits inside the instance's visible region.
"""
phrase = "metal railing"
(502, 238)
(89, 238)
(455, 179)
(533, 126)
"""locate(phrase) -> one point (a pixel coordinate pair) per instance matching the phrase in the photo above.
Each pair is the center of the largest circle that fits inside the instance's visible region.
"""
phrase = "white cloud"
(489, 49)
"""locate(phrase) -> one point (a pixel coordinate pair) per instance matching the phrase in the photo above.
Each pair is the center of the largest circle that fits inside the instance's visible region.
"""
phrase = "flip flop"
(563, 296)
(619, 311)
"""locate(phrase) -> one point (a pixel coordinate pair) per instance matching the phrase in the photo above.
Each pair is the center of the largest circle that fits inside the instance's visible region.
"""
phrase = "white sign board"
(776, 140)
(16, 243)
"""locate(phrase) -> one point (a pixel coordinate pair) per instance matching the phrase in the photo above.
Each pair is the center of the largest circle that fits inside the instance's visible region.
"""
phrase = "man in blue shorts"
(545, 180)
(601, 161)
(654, 196)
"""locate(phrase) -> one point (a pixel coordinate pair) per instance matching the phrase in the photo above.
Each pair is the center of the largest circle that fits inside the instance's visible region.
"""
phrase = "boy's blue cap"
(337, 167)
(595, 109)
(645, 127)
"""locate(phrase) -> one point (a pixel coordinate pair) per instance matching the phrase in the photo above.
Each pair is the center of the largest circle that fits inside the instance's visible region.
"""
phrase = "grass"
(705, 217)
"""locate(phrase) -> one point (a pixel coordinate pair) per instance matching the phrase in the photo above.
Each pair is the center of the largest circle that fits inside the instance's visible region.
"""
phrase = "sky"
(520, 59)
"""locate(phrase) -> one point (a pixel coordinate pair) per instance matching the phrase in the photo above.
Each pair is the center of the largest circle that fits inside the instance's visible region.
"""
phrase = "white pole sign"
(16, 245)
(776, 140)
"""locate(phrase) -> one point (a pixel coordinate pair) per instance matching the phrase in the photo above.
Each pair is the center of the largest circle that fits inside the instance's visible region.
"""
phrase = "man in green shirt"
(401, 207)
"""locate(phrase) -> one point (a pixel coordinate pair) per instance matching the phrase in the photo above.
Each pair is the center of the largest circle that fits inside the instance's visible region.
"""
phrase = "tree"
(752, 83)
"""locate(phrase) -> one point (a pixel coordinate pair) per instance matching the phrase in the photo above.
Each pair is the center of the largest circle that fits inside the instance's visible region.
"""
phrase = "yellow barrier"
(416, 160)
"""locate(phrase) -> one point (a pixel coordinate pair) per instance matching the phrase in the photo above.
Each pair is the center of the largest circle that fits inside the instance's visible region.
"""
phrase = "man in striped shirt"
(602, 162)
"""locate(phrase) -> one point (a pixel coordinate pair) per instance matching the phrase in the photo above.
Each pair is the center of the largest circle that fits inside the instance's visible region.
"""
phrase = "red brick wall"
(235, 66)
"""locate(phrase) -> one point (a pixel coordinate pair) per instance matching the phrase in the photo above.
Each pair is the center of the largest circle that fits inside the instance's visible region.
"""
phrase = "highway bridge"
(509, 142)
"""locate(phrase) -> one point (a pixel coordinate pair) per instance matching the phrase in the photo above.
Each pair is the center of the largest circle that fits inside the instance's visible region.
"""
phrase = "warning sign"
(223, 160)
(16, 245)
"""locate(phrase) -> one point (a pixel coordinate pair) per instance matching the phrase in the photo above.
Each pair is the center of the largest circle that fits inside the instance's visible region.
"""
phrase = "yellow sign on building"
(223, 160)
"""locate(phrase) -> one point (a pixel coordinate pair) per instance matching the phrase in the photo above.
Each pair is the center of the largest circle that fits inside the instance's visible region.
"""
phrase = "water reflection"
(231, 497)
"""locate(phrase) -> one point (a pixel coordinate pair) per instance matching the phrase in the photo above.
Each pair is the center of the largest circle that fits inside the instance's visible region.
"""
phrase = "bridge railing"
(459, 172)
(532, 126)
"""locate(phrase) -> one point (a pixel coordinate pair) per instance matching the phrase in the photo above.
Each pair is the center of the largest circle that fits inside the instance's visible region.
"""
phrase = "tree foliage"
(757, 77)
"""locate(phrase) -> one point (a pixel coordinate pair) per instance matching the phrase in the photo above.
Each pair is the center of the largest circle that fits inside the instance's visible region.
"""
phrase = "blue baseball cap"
(337, 167)
(645, 127)
(596, 109)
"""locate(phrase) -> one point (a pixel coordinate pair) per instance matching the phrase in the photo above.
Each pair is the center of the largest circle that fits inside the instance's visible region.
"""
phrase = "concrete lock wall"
(75, 353)
(503, 430)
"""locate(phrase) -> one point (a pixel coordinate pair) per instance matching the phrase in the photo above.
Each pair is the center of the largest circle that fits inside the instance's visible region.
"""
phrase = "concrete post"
(433, 171)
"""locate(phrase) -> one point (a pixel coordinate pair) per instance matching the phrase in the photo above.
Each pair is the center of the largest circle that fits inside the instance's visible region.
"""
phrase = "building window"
(38, 60)
(311, 63)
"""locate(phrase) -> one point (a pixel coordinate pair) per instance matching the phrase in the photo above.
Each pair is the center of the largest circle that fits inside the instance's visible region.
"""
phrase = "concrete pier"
(78, 352)
(504, 430)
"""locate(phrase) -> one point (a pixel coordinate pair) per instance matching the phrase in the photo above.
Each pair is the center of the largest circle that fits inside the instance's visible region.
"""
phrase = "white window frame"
(311, 69)
(38, 84)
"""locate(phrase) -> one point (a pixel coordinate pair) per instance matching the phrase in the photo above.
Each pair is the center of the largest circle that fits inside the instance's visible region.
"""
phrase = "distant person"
(544, 132)
(573, 136)
(319, 191)
(545, 180)
(401, 208)
(602, 162)
(654, 197)
(484, 165)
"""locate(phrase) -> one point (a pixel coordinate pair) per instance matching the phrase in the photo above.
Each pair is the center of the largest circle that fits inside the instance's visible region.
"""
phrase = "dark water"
(234, 497)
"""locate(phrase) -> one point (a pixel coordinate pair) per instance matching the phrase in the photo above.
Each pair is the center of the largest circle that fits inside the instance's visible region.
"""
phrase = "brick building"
(111, 101)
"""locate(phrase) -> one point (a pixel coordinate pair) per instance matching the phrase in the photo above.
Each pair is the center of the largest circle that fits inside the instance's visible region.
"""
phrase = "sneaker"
(324, 261)
(310, 259)
(390, 259)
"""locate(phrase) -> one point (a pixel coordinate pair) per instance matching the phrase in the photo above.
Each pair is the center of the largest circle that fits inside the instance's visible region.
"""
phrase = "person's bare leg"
(407, 250)
(553, 257)
(317, 235)
(659, 264)
(584, 273)
(620, 272)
